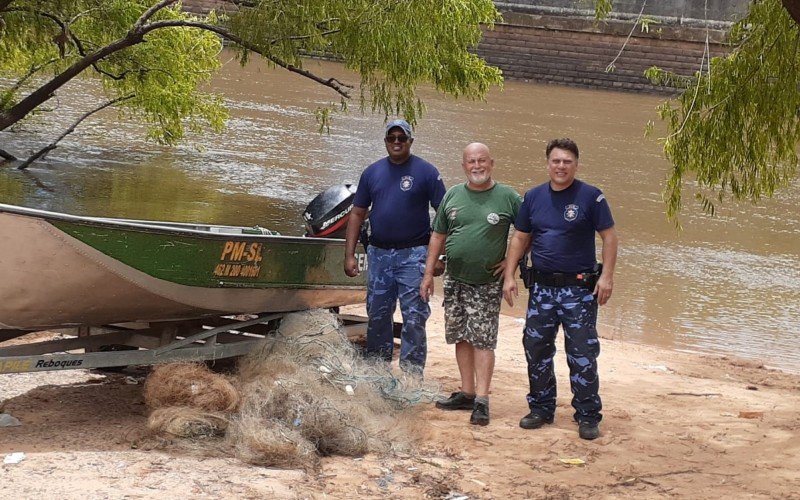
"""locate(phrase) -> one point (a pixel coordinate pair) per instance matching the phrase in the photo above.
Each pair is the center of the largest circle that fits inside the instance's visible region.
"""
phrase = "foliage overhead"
(155, 58)
(735, 126)
(41, 41)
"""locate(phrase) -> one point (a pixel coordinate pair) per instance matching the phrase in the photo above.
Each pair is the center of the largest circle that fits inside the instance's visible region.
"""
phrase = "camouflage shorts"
(472, 313)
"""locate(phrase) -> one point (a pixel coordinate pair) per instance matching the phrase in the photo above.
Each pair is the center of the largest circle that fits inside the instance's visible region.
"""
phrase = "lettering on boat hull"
(239, 259)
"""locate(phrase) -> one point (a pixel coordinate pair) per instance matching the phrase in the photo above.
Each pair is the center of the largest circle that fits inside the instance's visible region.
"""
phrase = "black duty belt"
(400, 245)
(531, 276)
(563, 279)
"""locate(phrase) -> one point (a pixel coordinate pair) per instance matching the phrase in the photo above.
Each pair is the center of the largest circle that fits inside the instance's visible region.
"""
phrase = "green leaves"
(164, 73)
(395, 46)
(735, 128)
(602, 8)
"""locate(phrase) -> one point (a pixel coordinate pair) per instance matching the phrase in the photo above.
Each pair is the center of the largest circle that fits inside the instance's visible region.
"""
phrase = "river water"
(728, 284)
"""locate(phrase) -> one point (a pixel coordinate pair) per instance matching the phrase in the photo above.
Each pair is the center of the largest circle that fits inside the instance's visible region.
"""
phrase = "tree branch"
(151, 12)
(306, 37)
(66, 34)
(46, 91)
(336, 85)
(53, 145)
(611, 65)
(34, 69)
(61, 38)
(38, 182)
(136, 36)
(7, 156)
(79, 45)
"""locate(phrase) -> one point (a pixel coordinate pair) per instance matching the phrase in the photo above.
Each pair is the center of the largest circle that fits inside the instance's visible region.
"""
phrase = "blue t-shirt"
(562, 226)
(400, 196)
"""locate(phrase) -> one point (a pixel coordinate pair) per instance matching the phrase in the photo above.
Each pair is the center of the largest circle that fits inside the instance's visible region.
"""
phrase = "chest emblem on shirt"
(493, 218)
(452, 213)
(570, 212)
(406, 182)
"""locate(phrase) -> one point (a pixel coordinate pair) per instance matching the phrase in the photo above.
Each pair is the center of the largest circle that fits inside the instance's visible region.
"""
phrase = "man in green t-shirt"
(471, 225)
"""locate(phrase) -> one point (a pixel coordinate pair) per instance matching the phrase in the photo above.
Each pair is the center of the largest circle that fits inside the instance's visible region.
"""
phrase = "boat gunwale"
(165, 227)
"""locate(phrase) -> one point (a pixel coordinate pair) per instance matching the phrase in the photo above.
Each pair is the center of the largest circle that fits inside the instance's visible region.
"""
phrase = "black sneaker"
(457, 401)
(480, 415)
(534, 421)
(588, 430)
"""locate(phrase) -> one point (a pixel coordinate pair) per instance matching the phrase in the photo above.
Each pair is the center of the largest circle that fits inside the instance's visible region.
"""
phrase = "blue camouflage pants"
(396, 274)
(574, 308)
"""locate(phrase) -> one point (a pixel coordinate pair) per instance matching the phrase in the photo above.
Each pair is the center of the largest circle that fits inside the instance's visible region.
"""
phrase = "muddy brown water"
(728, 284)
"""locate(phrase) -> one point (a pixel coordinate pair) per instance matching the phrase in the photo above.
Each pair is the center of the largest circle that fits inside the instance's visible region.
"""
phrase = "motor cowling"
(327, 214)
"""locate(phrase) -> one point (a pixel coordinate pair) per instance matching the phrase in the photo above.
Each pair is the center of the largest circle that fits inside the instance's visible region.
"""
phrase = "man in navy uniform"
(397, 191)
(557, 222)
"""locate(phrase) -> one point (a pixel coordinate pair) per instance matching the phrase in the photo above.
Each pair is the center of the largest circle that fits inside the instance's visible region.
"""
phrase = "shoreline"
(607, 333)
(675, 425)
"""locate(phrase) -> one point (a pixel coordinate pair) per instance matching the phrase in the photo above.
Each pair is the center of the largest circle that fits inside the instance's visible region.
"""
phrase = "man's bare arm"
(357, 216)
(516, 249)
(435, 248)
(605, 284)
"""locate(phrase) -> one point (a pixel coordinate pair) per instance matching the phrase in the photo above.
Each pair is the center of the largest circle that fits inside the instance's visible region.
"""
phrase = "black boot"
(457, 401)
(480, 414)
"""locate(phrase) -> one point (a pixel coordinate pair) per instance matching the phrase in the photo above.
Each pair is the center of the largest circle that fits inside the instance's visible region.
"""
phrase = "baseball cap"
(399, 123)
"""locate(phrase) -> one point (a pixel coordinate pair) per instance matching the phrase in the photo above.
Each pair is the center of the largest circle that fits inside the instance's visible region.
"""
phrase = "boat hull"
(62, 271)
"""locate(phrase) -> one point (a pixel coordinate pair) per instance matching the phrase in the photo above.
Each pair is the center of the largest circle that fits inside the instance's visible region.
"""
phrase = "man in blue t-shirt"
(398, 191)
(557, 223)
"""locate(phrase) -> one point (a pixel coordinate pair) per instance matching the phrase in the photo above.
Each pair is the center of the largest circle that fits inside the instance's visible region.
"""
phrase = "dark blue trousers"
(395, 275)
(575, 309)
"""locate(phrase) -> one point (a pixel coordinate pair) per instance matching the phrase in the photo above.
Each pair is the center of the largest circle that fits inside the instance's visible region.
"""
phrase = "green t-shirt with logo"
(476, 224)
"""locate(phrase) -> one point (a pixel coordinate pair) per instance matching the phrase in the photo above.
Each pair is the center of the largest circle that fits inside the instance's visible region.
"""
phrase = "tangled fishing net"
(308, 392)
(191, 385)
(187, 422)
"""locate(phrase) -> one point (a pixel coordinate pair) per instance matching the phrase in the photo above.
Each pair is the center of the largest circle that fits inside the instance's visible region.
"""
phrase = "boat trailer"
(126, 344)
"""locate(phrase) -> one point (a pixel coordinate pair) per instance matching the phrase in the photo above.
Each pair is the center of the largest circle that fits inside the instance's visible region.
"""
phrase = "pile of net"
(305, 393)
(188, 400)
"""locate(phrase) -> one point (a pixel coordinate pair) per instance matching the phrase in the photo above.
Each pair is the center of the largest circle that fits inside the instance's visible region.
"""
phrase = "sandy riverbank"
(676, 425)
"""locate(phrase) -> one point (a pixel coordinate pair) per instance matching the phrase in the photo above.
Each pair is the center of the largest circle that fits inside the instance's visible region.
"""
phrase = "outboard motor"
(327, 214)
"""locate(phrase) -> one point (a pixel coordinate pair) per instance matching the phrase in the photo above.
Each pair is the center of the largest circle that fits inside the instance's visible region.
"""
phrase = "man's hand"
(356, 219)
(510, 290)
(603, 288)
(426, 287)
(351, 266)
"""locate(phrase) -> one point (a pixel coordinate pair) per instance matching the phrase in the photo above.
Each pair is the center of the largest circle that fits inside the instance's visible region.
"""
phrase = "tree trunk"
(793, 7)
(46, 91)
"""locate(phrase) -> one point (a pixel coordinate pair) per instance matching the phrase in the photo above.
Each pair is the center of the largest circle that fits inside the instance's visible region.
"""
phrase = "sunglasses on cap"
(396, 138)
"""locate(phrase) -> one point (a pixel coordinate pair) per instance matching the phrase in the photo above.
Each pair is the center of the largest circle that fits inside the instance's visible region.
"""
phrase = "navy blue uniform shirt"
(400, 196)
(562, 226)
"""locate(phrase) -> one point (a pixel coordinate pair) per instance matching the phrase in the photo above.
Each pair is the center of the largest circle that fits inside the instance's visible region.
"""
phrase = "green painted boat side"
(61, 270)
(219, 260)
